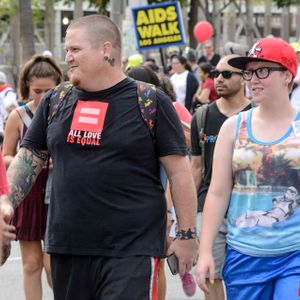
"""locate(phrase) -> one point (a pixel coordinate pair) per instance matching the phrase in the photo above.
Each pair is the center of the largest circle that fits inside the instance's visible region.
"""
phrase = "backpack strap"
(201, 113)
(147, 101)
(59, 94)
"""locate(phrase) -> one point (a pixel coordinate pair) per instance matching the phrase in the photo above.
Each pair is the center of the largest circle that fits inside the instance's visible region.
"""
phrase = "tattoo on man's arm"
(40, 154)
(23, 172)
(186, 234)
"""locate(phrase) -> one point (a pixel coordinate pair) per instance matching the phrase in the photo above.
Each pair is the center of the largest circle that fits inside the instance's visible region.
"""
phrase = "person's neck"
(230, 106)
(276, 110)
(193, 65)
(210, 55)
(181, 72)
(105, 81)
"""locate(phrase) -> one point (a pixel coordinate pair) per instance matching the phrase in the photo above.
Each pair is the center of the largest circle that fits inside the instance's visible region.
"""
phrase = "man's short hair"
(100, 29)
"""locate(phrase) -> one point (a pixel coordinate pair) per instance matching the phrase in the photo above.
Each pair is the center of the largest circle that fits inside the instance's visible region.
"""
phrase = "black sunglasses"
(227, 74)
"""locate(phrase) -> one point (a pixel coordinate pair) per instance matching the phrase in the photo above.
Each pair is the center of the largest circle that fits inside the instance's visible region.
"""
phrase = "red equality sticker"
(89, 116)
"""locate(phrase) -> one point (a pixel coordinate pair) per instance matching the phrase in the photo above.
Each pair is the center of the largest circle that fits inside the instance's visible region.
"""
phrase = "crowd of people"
(199, 161)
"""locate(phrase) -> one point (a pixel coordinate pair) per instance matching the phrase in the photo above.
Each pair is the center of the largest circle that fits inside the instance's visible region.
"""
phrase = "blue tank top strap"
(238, 124)
(242, 123)
(297, 116)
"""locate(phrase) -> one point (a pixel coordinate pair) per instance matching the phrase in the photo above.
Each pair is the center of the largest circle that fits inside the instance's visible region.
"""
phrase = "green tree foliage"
(283, 3)
(101, 5)
(182, 2)
(7, 8)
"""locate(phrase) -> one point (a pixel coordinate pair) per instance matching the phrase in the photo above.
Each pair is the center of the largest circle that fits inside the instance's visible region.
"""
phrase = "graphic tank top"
(264, 210)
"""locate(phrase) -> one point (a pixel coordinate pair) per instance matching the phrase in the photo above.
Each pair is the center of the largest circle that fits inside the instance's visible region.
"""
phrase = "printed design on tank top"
(268, 176)
(87, 123)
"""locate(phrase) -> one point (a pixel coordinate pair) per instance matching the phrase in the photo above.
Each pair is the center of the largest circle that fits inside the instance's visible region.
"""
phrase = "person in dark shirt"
(107, 214)
(210, 56)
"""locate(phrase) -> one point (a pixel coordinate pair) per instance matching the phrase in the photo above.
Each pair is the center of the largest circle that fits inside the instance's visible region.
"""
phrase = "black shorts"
(77, 277)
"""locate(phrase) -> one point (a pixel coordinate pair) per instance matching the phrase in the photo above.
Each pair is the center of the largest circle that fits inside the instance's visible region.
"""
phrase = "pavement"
(11, 285)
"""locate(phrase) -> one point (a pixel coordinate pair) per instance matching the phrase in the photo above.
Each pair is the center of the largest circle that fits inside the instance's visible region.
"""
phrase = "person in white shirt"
(184, 82)
(8, 101)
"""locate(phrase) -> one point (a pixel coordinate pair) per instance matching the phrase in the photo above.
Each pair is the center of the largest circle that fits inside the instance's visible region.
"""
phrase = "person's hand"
(6, 214)
(186, 252)
(205, 265)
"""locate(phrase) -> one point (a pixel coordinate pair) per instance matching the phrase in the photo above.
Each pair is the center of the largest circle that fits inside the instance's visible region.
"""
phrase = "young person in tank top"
(255, 176)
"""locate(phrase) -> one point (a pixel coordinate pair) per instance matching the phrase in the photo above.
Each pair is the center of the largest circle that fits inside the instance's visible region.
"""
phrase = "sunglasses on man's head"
(227, 74)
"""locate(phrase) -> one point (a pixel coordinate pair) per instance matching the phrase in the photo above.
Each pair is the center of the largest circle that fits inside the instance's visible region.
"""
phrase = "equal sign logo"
(89, 116)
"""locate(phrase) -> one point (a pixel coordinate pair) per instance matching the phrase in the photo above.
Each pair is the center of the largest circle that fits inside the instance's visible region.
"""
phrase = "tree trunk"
(117, 12)
(285, 32)
(49, 25)
(26, 30)
(78, 11)
(185, 22)
(193, 20)
(15, 39)
(249, 23)
(268, 17)
(217, 25)
(298, 22)
(231, 22)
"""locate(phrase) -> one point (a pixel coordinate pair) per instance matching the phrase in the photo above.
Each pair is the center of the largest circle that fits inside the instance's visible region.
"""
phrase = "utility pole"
(116, 12)
(268, 17)
(285, 29)
(78, 10)
(26, 29)
(298, 22)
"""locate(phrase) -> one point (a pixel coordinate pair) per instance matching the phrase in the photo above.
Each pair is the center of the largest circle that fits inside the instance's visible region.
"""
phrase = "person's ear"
(288, 77)
(107, 49)
(107, 53)
(243, 81)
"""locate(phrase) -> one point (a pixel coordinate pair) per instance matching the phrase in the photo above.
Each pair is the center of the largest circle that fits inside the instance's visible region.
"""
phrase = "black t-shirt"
(106, 198)
(214, 121)
(213, 61)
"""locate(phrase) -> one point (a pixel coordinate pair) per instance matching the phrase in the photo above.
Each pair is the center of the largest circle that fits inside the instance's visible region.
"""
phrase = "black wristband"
(186, 234)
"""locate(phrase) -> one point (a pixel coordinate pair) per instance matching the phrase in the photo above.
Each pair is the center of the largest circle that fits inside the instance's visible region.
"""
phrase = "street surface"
(11, 285)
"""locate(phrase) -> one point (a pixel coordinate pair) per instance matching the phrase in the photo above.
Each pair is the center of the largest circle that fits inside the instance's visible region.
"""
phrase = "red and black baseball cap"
(272, 50)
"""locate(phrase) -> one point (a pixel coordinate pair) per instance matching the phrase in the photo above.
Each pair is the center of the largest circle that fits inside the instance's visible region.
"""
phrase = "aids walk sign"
(158, 26)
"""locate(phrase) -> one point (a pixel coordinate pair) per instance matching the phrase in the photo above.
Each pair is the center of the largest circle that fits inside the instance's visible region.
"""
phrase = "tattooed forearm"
(23, 172)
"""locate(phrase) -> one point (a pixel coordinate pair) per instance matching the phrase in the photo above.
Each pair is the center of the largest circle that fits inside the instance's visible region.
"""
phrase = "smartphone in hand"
(173, 264)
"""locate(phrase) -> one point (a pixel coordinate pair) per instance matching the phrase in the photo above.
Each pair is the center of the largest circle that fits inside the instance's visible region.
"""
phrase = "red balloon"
(203, 31)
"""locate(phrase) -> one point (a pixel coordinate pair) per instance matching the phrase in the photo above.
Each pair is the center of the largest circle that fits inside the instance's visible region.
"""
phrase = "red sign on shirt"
(89, 116)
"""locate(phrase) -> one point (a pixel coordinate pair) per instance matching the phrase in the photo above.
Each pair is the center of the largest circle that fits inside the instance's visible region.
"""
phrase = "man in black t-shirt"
(210, 56)
(229, 85)
(107, 213)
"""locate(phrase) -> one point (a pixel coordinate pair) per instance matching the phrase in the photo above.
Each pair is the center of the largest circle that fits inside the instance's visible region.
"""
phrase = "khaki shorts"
(219, 247)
